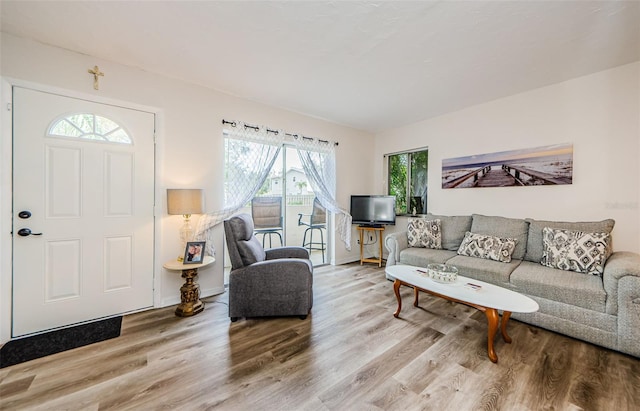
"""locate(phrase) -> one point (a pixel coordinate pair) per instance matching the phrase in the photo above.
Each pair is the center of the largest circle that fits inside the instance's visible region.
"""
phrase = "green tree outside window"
(408, 181)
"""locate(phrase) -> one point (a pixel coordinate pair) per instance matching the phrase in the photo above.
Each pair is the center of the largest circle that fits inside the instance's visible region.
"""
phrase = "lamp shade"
(184, 201)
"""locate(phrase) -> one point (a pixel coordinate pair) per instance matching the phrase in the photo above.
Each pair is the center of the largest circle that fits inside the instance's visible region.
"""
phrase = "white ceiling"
(372, 65)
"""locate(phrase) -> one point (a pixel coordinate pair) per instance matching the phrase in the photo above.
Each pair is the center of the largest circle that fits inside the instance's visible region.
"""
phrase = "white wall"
(188, 116)
(598, 113)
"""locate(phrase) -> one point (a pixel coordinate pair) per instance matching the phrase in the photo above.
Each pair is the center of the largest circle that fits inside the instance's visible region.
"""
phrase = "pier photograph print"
(548, 165)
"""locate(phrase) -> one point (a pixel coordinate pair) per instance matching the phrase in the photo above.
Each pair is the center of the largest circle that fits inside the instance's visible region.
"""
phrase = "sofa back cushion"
(503, 227)
(453, 229)
(534, 242)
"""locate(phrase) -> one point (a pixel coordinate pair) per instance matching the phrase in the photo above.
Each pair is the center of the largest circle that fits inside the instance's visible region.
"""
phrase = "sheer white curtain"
(318, 158)
(249, 155)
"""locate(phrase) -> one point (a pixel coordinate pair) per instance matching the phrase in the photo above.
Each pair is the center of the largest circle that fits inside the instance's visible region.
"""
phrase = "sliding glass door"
(306, 224)
(302, 224)
(283, 210)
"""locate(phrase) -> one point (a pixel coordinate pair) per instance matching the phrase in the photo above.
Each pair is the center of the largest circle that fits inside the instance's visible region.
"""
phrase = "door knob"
(24, 214)
(25, 232)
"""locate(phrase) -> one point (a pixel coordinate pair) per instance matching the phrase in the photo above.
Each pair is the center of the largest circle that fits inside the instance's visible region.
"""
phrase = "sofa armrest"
(619, 265)
(395, 242)
(287, 252)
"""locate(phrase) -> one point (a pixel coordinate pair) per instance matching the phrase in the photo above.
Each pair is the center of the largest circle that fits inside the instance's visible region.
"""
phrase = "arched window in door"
(89, 126)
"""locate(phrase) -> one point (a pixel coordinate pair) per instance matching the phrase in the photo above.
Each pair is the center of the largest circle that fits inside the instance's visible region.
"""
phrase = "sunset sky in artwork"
(513, 155)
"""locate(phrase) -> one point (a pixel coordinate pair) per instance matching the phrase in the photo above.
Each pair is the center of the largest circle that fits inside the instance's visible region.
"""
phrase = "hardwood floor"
(350, 354)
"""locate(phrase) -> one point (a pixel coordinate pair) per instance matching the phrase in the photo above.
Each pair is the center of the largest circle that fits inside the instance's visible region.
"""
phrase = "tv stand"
(377, 230)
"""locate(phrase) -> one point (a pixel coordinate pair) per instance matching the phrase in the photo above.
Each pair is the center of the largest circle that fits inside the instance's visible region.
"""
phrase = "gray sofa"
(601, 309)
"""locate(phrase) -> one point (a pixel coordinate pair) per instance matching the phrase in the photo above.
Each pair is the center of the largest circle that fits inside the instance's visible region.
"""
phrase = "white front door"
(83, 184)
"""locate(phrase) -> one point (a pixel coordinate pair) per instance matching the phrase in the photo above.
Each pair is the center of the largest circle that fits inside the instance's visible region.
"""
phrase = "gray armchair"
(274, 282)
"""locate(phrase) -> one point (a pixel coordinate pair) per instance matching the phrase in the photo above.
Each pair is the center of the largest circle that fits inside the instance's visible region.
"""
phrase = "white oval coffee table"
(488, 298)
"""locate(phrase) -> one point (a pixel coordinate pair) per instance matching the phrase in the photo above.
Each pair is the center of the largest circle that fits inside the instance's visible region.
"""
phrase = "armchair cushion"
(286, 252)
(251, 251)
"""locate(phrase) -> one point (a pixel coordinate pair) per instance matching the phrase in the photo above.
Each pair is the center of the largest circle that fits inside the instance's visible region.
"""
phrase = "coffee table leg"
(396, 290)
(503, 326)
(415, 296)
(492, 320)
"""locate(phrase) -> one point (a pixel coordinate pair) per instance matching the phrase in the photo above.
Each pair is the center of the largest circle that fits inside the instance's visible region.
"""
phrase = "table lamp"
(184, 201)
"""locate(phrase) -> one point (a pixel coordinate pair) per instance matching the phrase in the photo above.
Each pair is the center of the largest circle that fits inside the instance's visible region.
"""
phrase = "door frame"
(6, 188)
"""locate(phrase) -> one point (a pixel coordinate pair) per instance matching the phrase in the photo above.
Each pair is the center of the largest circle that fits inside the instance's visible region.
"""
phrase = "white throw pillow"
(424, 233)
(578, 251)
(487, 247)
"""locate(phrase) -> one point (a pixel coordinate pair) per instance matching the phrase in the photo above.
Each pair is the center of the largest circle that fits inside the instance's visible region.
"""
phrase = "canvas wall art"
(548, 165)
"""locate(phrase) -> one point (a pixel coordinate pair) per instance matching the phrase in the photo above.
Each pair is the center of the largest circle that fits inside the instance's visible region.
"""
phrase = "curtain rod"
(256, 128)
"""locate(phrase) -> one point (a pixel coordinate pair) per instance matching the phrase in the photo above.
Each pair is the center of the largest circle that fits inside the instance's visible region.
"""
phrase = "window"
(89, 126)
(407, 180)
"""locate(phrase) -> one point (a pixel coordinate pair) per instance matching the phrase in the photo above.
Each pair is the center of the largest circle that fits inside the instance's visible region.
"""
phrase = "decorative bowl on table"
(442, 273)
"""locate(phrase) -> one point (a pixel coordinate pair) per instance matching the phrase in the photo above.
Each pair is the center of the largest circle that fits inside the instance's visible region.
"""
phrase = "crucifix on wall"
(96, 72)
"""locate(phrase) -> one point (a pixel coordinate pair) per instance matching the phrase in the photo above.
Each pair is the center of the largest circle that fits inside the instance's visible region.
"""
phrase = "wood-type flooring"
(349, 354)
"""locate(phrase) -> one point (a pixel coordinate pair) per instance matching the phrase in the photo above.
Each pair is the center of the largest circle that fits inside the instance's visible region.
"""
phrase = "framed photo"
(194, 252)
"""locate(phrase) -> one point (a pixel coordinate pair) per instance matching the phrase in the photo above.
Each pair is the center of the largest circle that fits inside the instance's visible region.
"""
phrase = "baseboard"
(346, 260)
(357, 260)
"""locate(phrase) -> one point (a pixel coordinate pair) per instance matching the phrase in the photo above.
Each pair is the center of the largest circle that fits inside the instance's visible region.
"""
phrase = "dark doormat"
(41, 345)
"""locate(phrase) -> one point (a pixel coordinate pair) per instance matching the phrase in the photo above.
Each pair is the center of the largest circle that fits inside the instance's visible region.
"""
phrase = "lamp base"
(186, 235)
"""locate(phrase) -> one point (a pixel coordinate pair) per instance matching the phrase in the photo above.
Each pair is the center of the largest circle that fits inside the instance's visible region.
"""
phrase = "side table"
(190, 290)
(378, 232)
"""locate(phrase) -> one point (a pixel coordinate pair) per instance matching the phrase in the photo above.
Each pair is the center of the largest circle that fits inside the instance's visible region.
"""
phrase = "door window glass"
(89, 126)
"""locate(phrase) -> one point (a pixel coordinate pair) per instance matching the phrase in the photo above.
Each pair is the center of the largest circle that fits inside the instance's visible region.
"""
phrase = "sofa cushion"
(586, 291)
(487, 246)
(420, 257)
(503, 227)
(453, 229)
(575, 251)
(534, 241)
(424, 233)
(485, 270)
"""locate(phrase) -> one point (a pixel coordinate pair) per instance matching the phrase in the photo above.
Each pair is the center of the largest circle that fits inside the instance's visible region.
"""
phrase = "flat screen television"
(373, 210)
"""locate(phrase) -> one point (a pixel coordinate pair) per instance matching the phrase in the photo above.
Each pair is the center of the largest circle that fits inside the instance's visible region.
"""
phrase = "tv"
(373, 210)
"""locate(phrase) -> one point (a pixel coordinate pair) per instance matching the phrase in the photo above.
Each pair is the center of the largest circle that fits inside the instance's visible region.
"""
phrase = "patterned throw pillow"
(424, 233)
(487, 247)
(575, 250)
